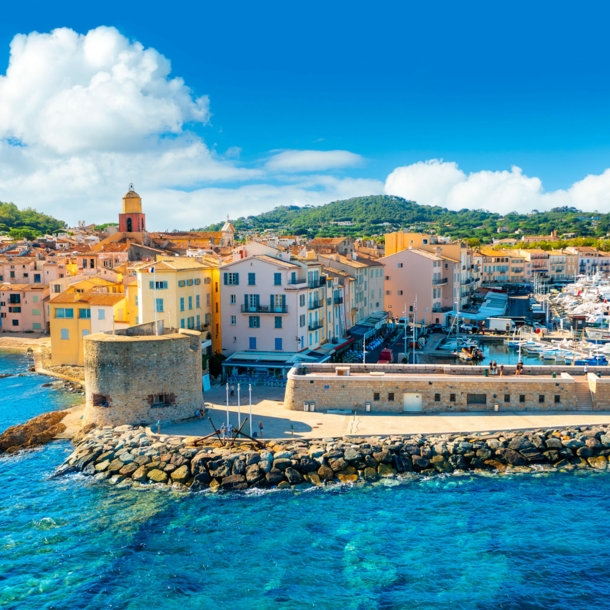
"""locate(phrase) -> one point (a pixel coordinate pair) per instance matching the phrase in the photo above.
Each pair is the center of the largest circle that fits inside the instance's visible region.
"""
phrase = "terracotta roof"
(326, 241)
(178, 263)
(275, 261)
(92, 298)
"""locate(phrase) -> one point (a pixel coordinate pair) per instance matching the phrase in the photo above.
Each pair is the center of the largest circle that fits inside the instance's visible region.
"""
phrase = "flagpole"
(155, 296)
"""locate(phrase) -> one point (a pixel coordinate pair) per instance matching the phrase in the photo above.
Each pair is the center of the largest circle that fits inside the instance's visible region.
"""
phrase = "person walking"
(501, 370)
(260, 429)
(223, 431)
(586, 370)
(230, 430)
(232, 392)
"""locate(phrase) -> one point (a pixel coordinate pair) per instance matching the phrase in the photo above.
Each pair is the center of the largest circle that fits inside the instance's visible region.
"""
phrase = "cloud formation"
(437, 182)
(312, 160)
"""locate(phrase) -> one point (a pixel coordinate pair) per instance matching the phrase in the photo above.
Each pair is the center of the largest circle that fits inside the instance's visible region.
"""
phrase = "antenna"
(131, 186)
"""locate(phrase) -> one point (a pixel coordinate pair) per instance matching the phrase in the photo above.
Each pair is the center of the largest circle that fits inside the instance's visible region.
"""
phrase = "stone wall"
(125, 375)
(384, 390)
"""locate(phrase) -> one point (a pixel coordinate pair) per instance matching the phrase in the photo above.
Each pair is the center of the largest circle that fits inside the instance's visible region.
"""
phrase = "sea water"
(514, 542)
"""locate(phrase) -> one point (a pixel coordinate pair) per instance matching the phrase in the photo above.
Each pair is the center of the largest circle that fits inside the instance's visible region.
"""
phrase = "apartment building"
(588, 259)
(420, 285)
(22, 307)
(182, 292)
(538, 261)
(502, 266)
(563, 265)
(368, 286)
(269, 304)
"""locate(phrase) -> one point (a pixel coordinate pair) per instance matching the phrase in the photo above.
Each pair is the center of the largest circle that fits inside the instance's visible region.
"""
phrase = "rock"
(383, 456)
(202, 479)
(254, 473)
(251, 457)
(274, 476)
(283, 485)
(371, 462)
(239, 467)
(313, 478)
(385, 471)
(352, 455)
(494, 443)
(338, 464)
(562, 464)
(293, 476)
(115, 478)
(140, 474)
(553, 443)
(282, 455)
(551, 455)
(519, 443)
(584, 452)
(142, 459)
(579, 463)
(512, 457)
(308, 465)
(462, 448)
(531, 454)
(316, 452)
(157, 476)
(574, 444)
(219, 468)
(234, 482)
(326, 473)
(484, 454)
(419, 462)
(346, 477)
(604, 439)
(128, 469)
(214, 485)
(496, 465)
(102, 466)
(458, 462)
(599, 462)
(169, 468)
(282, 463)
(181, 474)
(440, 464)
(370, 474)
(126, 457)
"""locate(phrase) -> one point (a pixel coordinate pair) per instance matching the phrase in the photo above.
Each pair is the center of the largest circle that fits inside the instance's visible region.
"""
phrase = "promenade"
(278, 422)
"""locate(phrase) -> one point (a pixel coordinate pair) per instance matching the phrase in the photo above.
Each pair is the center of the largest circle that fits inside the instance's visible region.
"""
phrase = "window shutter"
(272, 302)
(246, 303)
(237, 279)
(226, 280)
(151, 285)
(283, 302)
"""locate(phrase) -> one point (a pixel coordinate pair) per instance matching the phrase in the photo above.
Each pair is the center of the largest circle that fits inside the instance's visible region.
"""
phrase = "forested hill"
(379, 214)
(27, 222)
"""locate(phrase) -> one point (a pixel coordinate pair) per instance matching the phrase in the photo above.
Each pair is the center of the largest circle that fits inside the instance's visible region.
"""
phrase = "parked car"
(469, 328)
(437, 328)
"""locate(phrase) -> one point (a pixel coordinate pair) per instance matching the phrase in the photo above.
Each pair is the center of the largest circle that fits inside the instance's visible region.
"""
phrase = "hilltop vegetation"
(379, 214)
(26, 223)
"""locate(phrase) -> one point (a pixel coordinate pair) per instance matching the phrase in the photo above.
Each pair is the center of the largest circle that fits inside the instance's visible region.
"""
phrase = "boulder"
(599, 462)
(102, 466)
(251, 457)
(214, 485)
(573, 443)
(293, 476)
(157, 476)
(126, 457)
(346, 477)
(313, 478)
(401, 463)
(316, 452)
(458, 462)
(254, 473)
(495, 465)
(307, 464)
(604, 439)
(484, 453)
(531, 454)
(128, 469)
(338, 464)
(140, 474)
(584, 452)
(115, 465)
(239, 467)
(440, 464)
(370, 474)
(326, 473)
(219, 468)
(383, 456)
(553, 443)
(371, 462)
(562, 464)
(384, 471)
(274, 476)
(419, 462)
(181, 474)
(234, 482)
(352, 455)
(282, 463)
(202, 479)
(283, 485)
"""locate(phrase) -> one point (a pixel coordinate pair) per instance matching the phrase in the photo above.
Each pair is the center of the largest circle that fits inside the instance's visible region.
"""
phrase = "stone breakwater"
(129, 457)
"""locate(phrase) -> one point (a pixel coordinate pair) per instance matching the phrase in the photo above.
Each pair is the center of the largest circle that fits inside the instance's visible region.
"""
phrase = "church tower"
(132, 220)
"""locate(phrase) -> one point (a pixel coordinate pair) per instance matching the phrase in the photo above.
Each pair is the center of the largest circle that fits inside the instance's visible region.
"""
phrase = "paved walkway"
(267, 406)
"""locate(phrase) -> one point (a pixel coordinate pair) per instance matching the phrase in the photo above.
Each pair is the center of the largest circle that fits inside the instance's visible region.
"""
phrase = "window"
(506, 397)
(375, 395)
(233, 299)
(37, 278)
(14, 309)
(56, 288)
(15, 322)
(278, 321)
(400, 265)
(476, 399)
(451, 397)
(136, 300)
(101, 314)
(557, 399)
(521, 398)
(84, 313)
(14, 298)
(233, 320)
(159, 305)
(207, 319)
(302, 300)
(387, 278)
(181, 283)
(12, 274)
(437, 398)
(277, 279)
(252, 343)
(157, 285)
(65, 334)
(302, 320)
(197, 281)
(278, 344)
(251, 279)
(391, 397)
(61, 312)
(190, 303)
(400, 293)
(160, 400)
(189, 282)
(254, 321)
(35, 312)
(198, 323)
(198, 301)
(231, 279)
(85, 332)
(541, 398)
(36, 326)
(182, 323)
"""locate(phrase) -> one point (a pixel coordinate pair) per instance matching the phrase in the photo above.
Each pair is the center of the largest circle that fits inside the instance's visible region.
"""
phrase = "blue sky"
(483, 86)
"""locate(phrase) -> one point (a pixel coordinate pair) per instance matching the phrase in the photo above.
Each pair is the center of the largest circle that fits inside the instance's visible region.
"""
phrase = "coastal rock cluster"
(128, 456)
(37, 431)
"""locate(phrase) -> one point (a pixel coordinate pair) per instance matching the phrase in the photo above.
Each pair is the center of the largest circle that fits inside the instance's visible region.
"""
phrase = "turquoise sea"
(521, 542)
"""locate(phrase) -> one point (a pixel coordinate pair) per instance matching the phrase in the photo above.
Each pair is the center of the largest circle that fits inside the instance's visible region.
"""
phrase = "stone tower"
(131, 219)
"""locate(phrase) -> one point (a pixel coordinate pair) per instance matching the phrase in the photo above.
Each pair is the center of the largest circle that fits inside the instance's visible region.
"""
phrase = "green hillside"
(379, 214)
(27, 222)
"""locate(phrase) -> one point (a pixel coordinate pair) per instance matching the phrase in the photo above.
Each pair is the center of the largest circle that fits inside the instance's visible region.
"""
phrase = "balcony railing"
(316, 324)
(338, 300)
(263, 309)
(440, 282)
(317, 282)
(295, 282)
(315, 305)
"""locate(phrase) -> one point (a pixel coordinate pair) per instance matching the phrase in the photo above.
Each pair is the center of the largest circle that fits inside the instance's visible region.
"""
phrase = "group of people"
(200, 413)
(519, 368)
(494, 369)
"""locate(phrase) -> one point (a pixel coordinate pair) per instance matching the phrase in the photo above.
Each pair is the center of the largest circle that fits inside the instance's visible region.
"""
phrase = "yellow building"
(183, 292)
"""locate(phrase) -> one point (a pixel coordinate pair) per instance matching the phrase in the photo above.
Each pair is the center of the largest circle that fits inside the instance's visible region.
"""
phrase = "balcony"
(317, 283)
(315, 305)
(338, 300)
(316, 324)
(263, 309)
(296, 282)
(440, 282)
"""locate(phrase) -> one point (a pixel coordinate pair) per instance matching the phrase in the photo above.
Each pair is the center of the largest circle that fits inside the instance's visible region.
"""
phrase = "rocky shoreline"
(129, 456)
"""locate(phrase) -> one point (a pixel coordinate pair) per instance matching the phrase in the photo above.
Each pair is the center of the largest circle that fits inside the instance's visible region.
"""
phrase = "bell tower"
(131, 218)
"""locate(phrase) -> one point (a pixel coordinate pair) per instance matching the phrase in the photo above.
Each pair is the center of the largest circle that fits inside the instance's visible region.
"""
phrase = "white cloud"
(437, 182)
(312, 160)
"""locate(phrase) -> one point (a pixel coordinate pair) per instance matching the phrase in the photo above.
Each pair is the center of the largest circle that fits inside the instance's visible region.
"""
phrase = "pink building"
(22, 307)
(431, 279)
